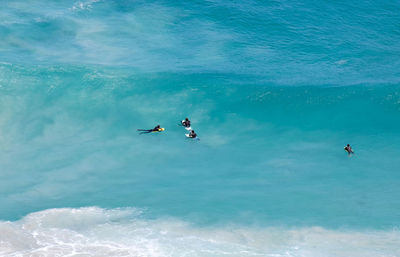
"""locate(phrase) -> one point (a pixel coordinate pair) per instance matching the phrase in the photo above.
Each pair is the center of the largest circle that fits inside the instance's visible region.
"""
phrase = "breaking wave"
(93, 231)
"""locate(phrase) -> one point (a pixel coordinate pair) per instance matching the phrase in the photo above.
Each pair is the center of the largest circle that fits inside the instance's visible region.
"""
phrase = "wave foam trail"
(93, 231)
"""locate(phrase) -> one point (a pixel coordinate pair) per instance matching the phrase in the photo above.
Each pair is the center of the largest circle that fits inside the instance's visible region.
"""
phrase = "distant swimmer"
(186, 123)
(348, 149)
(192, 134)
(155, 129)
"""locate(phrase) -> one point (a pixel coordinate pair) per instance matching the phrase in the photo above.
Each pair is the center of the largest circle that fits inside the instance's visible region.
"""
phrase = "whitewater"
(274, 90)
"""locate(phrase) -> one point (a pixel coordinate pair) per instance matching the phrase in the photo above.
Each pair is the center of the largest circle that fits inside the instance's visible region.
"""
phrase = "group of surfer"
(185, 123)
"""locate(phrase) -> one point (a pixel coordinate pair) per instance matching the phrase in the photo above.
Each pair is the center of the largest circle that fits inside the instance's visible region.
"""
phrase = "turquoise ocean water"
(274, 89)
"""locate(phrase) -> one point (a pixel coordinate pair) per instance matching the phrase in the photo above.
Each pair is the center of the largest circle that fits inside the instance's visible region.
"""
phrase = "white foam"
(94, 231)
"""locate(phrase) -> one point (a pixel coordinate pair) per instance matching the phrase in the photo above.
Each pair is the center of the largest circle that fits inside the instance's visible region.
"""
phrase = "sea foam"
(93, 231)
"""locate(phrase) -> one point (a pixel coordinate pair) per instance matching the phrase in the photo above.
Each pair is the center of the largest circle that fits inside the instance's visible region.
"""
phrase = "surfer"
(348, 149)
(192, 134)
(155, 129)
(186, 123)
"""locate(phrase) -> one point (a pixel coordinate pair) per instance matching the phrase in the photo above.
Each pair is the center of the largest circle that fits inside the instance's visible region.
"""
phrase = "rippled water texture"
(274, 89)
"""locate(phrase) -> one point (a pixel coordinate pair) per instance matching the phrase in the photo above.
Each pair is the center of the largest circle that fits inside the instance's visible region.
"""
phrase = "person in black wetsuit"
(348, 149)
(186, 123)
(155, 129)
(192, 134)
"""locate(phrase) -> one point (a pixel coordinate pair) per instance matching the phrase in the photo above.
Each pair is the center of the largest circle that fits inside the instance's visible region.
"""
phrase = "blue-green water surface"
(274, 89)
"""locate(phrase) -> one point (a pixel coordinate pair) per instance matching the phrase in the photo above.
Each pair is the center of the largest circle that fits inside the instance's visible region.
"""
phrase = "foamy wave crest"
(94, 231)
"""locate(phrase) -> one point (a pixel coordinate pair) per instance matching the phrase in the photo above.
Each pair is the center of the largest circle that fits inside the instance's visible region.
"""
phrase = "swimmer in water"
(348, 149)
(186, 123)
(192, 134)
(155, 129)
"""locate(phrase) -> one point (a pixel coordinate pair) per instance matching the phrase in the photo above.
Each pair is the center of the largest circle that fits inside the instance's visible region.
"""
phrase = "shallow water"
(274, 90)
